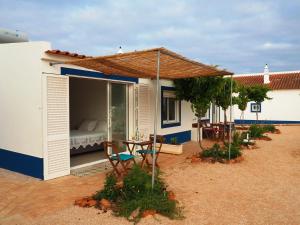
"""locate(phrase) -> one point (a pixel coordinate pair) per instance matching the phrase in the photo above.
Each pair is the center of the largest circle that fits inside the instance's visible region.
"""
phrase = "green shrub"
(109, 191)
(173, 140)
(137, 193)
(219, 154)
(256, 131)
(269, 128)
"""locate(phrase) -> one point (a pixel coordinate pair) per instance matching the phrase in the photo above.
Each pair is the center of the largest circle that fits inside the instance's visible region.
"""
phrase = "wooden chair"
(151, 150)
(117, 158)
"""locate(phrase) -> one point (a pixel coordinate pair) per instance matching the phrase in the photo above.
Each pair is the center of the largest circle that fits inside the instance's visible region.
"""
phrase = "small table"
(138, 143)
(134, 143)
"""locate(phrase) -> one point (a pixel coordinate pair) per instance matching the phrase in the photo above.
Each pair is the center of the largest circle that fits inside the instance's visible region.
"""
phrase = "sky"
(240, 36)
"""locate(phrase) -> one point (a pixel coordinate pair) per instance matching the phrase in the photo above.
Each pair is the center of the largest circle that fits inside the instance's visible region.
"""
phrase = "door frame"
(108, 81)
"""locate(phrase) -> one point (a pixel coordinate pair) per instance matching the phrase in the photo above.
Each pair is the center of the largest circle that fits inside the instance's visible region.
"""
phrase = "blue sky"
(240, 36)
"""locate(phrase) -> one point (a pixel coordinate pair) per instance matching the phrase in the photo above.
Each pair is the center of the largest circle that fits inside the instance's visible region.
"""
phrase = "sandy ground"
(263, 189)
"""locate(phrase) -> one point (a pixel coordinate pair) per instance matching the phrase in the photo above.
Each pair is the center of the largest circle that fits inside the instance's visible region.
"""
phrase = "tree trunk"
(199, 126)
(225, 125)
(256, 117)
(242, 117)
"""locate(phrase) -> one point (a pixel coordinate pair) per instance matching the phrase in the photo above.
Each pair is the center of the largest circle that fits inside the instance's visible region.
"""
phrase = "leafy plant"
(242, 99)
(109, 191)
(269, 128)
(137, 193)
(219, 154)
(174, 141)
(200, 92)
(256, 131)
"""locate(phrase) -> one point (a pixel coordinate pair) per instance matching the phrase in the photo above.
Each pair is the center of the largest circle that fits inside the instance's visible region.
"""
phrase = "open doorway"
(98, 112)
(88, 120)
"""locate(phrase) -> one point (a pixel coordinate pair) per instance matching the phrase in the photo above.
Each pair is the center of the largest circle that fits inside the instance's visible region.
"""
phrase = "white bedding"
(84, 138)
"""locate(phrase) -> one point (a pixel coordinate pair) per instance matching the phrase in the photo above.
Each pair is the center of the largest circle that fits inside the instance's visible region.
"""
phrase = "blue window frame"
(170, 108)
(255, 107)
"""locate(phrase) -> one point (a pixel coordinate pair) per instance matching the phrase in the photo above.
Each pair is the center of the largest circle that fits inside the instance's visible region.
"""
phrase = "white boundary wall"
(21, 97)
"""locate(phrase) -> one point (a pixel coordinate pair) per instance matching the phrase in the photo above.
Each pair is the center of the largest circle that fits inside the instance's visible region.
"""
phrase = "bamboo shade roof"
(143, 64)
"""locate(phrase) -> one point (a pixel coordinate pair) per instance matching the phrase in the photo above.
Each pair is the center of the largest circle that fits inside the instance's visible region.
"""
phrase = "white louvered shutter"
(144, 110)
(57, 145)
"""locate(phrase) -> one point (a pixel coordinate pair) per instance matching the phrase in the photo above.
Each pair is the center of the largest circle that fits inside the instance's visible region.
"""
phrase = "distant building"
(283, 108)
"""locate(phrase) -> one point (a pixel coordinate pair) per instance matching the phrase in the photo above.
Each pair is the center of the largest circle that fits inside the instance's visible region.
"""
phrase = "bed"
(86, 140)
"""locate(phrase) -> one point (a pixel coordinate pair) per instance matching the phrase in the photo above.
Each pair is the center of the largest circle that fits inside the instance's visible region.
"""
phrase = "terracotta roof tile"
(65, 53)
(278, 81)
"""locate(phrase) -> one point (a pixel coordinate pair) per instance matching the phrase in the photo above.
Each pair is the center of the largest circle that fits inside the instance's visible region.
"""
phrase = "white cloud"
(276, 46)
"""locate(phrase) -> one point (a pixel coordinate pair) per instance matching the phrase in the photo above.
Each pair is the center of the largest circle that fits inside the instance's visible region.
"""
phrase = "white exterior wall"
(284, 106)
(187, 115)
(21, 97)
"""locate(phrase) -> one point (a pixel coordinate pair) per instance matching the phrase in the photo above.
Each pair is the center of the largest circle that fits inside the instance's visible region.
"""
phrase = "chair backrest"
(111, 148)
(159, 141)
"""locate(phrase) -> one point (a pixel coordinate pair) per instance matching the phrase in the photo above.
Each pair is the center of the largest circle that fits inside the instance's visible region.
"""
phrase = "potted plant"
(173, 147)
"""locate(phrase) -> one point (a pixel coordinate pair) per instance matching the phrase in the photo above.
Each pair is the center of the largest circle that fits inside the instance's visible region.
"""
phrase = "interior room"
(88, 120)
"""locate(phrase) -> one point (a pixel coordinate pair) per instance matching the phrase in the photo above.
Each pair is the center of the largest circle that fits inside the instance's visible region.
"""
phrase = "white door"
(56, 126)
(144, 110)
(117, 111)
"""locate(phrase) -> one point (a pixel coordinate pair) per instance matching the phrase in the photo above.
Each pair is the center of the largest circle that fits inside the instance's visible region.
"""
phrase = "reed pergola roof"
(143, 64)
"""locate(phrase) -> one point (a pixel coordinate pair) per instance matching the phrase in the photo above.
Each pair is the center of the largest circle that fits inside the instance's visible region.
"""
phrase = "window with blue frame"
(255, 107)
(170, 108)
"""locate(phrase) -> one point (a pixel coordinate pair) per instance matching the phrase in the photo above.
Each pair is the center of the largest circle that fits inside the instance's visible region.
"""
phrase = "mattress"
(84, 138)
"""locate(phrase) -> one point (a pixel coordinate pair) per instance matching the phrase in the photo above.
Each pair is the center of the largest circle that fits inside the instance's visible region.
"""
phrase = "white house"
(283, 108)
(51, 112)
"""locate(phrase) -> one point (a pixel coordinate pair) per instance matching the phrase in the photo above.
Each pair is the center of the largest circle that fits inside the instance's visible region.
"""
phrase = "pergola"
(153, 63)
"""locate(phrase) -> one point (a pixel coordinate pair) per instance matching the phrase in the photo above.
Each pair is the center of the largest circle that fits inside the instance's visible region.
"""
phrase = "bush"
(220, 154)
(137, 193)
(269, 128)
(109, 192)
(256, 131)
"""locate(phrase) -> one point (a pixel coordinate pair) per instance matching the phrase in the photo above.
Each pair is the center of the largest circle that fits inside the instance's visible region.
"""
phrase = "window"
(255, 107)
(170, 111)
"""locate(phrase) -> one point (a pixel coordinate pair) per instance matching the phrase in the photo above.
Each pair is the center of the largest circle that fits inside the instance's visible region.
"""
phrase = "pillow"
(101, 126)
(88, 125)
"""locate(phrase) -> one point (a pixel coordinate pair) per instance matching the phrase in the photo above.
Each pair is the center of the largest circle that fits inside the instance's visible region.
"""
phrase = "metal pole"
(230, 118)
(155, 118)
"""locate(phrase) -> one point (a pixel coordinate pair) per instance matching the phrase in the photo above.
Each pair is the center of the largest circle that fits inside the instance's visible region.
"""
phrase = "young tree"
(243, 99)
(223, 97)
(258, 94)
(200, 92)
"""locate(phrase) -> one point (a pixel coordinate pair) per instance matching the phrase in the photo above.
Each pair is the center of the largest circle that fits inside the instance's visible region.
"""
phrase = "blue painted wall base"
(265, 122)
(181, 137)
(21, 163)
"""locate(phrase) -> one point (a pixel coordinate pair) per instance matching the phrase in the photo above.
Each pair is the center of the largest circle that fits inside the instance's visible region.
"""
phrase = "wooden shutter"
(144, 109)
(56, 115)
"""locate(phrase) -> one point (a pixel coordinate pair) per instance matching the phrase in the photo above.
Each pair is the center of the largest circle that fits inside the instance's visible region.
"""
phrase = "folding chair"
(117, 158)
(150, 150)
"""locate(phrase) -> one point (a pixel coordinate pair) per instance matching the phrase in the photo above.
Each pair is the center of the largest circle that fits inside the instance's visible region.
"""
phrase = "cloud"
(237, 35)
(276, 46)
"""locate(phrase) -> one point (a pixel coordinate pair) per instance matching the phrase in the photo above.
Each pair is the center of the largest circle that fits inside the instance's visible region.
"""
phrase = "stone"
(105, 204)
(135, 213)
(195, 159)
(171, 195)
(149, 212)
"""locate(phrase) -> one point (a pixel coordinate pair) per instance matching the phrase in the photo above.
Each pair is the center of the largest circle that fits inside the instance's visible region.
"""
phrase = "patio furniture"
(151, 150)
(210, 130)
(132, 143)
(117, 158)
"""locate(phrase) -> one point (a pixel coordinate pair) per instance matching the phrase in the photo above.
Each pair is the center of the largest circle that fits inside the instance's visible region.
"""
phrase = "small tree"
(258, 94)
(200, 92)
(243, 99)
(223, 97)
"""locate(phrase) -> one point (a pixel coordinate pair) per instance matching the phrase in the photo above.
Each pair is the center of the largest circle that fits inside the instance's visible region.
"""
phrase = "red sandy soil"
(263, 189)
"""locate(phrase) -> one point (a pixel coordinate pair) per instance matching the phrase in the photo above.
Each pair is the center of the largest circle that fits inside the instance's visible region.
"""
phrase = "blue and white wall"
(21, 137)
(283, 108)
(182, 131)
